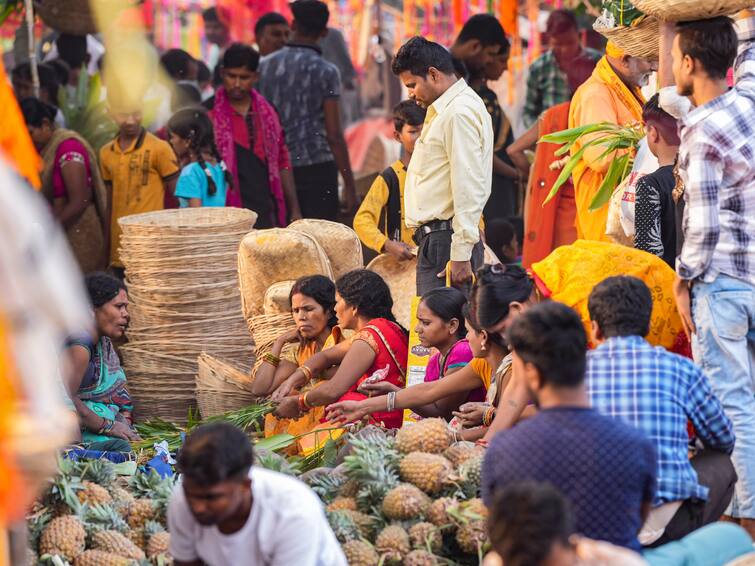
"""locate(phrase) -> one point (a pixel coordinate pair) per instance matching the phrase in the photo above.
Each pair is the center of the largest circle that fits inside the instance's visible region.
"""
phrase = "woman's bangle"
(303, 408)
(304, 401)
(306, 371)
(107, 426)
(271, 359)
(488, 416)
(482, 443)
(391, 401)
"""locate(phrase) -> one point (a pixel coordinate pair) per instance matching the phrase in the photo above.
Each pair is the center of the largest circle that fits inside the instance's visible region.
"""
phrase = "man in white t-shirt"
(228, 513)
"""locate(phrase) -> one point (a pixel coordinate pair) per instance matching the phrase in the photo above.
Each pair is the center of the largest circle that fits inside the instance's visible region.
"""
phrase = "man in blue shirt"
(657, 392)
(605, 468)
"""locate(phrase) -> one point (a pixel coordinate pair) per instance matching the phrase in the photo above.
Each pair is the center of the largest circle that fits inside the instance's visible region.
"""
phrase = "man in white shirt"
(449, 177)
(228, 513)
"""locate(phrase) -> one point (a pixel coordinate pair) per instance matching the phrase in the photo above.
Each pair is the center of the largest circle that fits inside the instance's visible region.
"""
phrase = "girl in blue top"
(205, 181)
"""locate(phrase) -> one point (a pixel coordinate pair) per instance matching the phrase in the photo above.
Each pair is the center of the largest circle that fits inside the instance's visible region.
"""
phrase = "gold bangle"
(306, 371)
(304, 401)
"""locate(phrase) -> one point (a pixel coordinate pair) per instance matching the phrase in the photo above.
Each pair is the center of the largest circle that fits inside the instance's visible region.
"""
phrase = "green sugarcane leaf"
(572, 134)
(609, 184)
(276, 442)
(565, 173)
(565, 149)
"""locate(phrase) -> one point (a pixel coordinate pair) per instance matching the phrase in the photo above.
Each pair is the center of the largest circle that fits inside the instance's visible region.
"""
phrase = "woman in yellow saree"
(312, 307)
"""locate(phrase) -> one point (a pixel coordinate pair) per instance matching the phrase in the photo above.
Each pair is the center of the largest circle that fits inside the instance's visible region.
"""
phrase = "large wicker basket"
(265, 329)
(277, 298)
(341, 243)
(401, 277)
(688, 10)
(222, 386)
(278, 254)
(181, 273)
(642, 40)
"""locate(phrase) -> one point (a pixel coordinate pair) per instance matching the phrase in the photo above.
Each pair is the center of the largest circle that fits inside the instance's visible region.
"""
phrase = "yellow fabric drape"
(569, 274)
(602, 98)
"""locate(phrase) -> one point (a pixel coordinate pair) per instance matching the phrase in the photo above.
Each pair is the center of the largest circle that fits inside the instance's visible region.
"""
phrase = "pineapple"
(101, 558)
(429, 472)
(360, 553)
(341, 503)
(405, 502)
(139, 512)
(158, 540)
(471, 536)
(94, 494)
(155, 488)
(392, 544)
(343, 526)
(115, 543)
(64, 536)
(460, 452)
(122, 499)
(101, 472)
(425, 536)
(427, 435)
(365, 522)
(437, 513)
(326, 484)
(420, 558)
(471, 475)
(349, 488)
(373, 465)
(101, 518)
(62, 496)
(138, 537)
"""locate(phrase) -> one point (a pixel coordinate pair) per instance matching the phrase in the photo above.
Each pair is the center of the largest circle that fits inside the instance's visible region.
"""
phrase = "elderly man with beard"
(612, 94)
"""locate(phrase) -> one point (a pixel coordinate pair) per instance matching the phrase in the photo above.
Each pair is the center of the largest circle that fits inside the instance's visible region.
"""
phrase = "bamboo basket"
(68, 16)
(221, 386)
(277, 254)
(401, 277)
(642, 40)
(689, 10)
(277, 298)
(341, 243)
(265, 329)
(189, 222)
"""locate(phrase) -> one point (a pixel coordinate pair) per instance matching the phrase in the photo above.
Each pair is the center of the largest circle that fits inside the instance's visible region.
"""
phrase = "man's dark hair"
(551, 337)
(269, 19)
(460, 69)
(484, 28)
(311, 17)
(241, 55)
(498, 233)
(621, 306)
(417, 56)
(211, 15)
(203, 71)
(48, 78)
(711, 42)
(526, 518)
(408, 112)
(177, 63)
(184, 95)
(653, 114)
(561, 21)
(72, 49)
(214, 453)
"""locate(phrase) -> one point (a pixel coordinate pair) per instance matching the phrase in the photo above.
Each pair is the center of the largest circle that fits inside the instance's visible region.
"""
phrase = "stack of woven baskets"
(181, 275)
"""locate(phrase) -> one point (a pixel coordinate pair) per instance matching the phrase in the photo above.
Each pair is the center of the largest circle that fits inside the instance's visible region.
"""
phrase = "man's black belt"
(430, 227)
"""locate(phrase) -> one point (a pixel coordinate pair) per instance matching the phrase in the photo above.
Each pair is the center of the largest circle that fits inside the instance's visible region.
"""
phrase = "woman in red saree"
(377, 352)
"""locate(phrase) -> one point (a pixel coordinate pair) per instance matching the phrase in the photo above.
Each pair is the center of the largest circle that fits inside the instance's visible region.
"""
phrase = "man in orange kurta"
(611, 94)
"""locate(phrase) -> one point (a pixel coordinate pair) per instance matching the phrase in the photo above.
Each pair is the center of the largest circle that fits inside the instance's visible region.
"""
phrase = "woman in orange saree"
(377, 352)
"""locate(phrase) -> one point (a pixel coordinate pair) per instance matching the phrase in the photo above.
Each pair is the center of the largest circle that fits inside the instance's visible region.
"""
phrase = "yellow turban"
(614, 51)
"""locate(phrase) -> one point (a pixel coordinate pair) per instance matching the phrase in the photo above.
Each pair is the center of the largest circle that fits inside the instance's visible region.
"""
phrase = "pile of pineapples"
(90, 517)
(410, 500)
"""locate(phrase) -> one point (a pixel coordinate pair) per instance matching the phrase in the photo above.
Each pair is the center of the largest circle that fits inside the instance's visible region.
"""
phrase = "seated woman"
(312, 301)
(97, 383)
(377, 352)
(498, 298)
(440, 325)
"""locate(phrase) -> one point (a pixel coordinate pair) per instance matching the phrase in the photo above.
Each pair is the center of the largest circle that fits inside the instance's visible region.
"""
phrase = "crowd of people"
(612, 386)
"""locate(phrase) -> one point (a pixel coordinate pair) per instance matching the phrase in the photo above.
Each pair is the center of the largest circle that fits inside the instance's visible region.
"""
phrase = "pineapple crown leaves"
(36, 523)
(343, 526)
(273, 461)
(326, 485)
(101, 471)
(152, 486)
(96, 518)
(153, 528)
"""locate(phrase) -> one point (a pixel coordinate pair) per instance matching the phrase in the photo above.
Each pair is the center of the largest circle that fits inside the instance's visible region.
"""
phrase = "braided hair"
(368, 293)
(195, 126)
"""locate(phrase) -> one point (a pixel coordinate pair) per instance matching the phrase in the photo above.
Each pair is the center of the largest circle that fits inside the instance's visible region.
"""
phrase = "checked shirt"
(717, 166)
(657, 391)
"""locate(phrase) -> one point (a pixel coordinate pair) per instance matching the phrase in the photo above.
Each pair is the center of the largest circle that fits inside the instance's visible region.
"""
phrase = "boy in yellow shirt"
(379, 222)
(137, 168)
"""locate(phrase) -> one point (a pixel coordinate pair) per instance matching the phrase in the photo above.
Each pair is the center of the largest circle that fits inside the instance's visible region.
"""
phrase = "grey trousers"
(432, 257)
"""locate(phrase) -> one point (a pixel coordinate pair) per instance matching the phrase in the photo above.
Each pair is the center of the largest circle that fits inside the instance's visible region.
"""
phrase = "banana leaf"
(616, 172)
(573, 134)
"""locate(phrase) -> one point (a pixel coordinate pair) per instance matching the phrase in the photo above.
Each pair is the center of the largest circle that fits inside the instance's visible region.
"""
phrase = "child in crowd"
(379, 222)
(137, 168)
(204, 181)
(659, 207)
(501, 237)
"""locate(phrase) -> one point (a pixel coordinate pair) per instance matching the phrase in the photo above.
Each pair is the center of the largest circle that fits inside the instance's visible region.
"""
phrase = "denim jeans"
(724, 345)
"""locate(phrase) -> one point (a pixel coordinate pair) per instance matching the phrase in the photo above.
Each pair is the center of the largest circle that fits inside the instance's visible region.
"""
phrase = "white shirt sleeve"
(180, 526)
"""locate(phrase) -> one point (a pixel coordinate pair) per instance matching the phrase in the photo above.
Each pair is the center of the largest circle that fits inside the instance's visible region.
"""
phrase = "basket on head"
(689, 10)
(401, 277)
(642, 40)
(222, 386)
(277, 254)
(75, 17)
(276, 298)
(341, 243)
